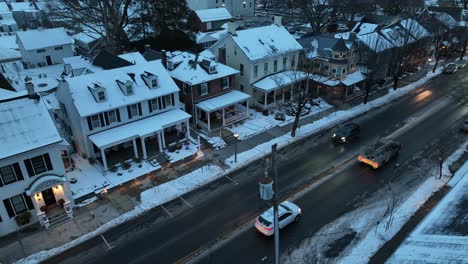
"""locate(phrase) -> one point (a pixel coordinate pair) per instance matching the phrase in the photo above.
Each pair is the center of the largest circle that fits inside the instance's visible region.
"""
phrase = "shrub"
(91, 160)
(113, 168)
(61, 202)
(126, 165)
(138, 160)
(23, 218)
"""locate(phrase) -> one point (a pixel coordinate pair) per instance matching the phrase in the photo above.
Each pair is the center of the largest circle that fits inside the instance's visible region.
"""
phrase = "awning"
(44, 182)
(353, 78)
(279, 80)
(140, 128)
(222, 101)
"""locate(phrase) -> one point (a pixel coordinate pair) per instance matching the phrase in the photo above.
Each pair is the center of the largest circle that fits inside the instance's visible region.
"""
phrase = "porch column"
(135, 148)
(159, 142)
(143, 145)
(292, 92)
(104, 161)
(209, 117)
(346, 92)
(188, 129)
(224, 121)
(163, 139)
(282, 96)
(264, 106)
(274, 96)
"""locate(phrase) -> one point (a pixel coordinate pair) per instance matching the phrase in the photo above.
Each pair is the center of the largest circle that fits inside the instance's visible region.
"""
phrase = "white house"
(7, 22)
(44, 47)
(125, 113)
(33, 186)
(262, 55)
(29, 14)
(235, 7)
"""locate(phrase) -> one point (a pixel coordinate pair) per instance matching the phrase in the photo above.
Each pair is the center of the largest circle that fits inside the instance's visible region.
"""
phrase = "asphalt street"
(219, 208)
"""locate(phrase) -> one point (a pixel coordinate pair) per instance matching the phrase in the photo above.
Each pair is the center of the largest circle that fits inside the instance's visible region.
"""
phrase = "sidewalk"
(126, 198)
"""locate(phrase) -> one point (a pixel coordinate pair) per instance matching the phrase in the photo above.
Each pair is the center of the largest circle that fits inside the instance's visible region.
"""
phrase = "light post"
(269, 190)
(236, 136)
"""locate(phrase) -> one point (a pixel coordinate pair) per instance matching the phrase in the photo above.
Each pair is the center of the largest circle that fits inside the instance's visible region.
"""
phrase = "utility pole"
(275, 201)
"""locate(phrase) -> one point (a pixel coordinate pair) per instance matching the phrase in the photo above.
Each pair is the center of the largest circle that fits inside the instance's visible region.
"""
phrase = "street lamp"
(236, 136)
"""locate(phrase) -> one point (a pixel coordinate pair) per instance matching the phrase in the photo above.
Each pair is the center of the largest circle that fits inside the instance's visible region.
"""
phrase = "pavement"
(126, 197)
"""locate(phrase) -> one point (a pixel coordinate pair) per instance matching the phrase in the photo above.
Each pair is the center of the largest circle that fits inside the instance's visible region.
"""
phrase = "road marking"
(169, 213)
(227, 177)
(109, 247)
(185, 201)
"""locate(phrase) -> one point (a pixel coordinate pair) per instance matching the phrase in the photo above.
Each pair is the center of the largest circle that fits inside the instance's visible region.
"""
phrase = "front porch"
(221, 111)
(139, 140)
(280, 88)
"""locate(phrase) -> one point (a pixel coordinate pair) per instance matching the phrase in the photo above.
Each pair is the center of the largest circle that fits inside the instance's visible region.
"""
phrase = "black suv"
(346, 133)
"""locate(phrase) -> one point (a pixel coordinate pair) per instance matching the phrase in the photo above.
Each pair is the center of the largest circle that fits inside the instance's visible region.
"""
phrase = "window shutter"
(28, 201)
(199, 89)
(9, 208)
(48, 162)
(118, 114)
(139, 109)
(106, 117)
(172, 99)
(164, 103)
(19, 174)
(101, 118)
(1, 182)
(90, 124)
(29, 167)
(129, 112)
(149, 106)
(159, 103)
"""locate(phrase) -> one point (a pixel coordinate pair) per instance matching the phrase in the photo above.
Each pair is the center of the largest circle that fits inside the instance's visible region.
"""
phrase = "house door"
(49, 197)
(49, 60)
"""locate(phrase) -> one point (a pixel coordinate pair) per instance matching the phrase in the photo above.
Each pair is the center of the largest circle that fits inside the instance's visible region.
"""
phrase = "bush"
(113, 168)
(138, 160)
(126, 165)
(23, 218)
(61, 202)
(91, 160)
(43, 208)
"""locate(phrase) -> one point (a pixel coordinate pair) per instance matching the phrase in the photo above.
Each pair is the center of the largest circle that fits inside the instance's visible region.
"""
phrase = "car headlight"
(343, 138)
(334, 135)
(299, 211)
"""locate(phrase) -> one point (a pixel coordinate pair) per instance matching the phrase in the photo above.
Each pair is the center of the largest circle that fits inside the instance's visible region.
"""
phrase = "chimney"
(277, 21)
(231, 26)
(29, 87)
(164, 58)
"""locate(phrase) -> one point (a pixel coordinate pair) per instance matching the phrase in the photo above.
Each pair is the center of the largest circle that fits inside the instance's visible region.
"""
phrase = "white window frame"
(34, 167)
(168, 100)
(134, 110)
(204, 89)
(20, 196)
(265, 68)
(98, 120)
(225, 82)
(154, 104)
(12, 172)
(101, 98)
(112, 116)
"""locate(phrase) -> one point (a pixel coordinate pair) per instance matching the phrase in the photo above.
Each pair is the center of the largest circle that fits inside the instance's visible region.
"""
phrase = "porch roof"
(219, 102)
(278, 80)
(353, 78)
(140, 128)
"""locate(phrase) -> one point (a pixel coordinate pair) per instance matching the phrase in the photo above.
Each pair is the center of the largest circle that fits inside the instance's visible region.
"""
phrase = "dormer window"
(98, 92)
(212, 69)
(126, 87)
(150, 79)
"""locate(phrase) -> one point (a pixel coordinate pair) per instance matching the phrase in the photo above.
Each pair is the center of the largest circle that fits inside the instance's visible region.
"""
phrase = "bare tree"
(301, 101)
(107, 18)
(316, 12)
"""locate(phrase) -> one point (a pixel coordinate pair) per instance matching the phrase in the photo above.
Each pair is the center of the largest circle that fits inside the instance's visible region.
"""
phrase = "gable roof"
(42, 38)
(323, 46)
(185, 72)
(133, 57)
(25, 125)
(86, 104)
(340, 45)
(213, 14)
(258, 43)
(108, 61)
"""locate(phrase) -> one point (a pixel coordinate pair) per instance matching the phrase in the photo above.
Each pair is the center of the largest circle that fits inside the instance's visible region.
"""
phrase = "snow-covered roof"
(5, 94)
(375, 42)
(364, 28)
(213, 14)
(203, 37)
(25, 125)
(8, 42)
(185, 71)
(353, 78)
(398, 36)
(258, 43)
(86, 104)
(80, 62)
(9, 55)
(221, 101)
(23, 6)
(446, 19)
(278, 80)
(138, 128)
(42, 38)
(4, 8)
(414, 28)
(87, 37)
(133, 57)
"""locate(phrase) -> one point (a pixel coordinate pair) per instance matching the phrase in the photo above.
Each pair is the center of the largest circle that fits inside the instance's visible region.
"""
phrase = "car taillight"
(269, 228)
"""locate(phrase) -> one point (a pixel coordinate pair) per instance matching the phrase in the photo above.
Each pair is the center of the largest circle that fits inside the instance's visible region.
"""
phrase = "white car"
(460, 64)
(287, 213)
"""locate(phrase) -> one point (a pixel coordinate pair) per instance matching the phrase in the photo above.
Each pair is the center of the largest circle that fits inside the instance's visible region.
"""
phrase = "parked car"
(460, 64)
(287, 213)
(346, 133)
(450, 68)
